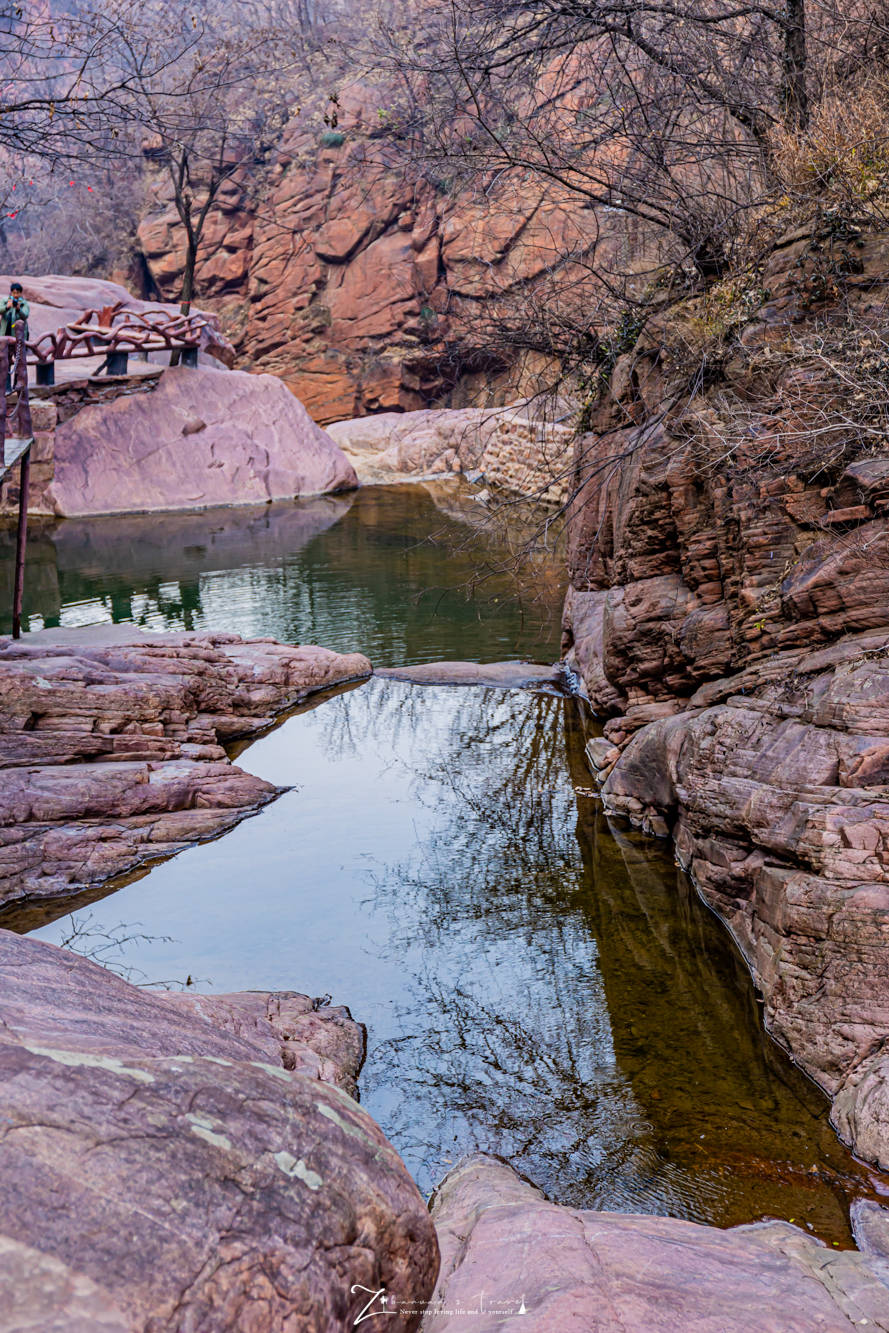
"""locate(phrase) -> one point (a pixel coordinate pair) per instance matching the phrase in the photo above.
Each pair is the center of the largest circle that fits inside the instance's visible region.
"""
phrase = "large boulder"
(517, 447)
(200, 438)
(401, 446)
(111, 742)
(510, 1260)
(168, 1174)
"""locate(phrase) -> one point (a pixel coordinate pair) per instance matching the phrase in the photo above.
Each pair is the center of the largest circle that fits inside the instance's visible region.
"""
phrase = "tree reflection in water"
(535, 983)
(578, 1011)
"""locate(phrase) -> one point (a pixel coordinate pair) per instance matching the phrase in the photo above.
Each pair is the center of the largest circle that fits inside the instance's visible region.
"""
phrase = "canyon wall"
(729, 616)
(365, 285)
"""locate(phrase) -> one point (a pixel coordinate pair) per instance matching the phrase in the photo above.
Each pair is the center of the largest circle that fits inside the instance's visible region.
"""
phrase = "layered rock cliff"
(729, 612)
(364, 283)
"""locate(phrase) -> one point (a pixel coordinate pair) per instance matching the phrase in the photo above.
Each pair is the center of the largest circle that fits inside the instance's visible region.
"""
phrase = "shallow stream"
(536, 981)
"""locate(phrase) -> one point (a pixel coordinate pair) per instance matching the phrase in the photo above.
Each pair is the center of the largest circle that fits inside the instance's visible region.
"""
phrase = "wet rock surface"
(728, 615)
(111, 742)
(512, 1260)
(172, 1168)
(503, 675)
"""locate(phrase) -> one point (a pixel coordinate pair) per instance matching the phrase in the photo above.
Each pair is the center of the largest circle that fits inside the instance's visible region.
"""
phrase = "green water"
(404, 574)
(536, 982)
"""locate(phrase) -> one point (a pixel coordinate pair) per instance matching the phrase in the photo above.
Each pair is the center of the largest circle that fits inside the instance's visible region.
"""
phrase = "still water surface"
(536, 982)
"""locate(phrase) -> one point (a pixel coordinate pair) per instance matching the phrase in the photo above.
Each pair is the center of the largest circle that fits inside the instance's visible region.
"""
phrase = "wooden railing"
(116, 332)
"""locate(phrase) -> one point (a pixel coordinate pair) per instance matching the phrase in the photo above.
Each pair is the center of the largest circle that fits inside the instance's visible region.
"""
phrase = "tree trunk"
(794, 95)
(191, 255)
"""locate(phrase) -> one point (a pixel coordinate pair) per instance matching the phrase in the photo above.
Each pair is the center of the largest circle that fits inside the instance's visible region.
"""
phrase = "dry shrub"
(841, 160)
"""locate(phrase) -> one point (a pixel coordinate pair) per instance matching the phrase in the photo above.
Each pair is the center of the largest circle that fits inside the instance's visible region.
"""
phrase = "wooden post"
(4, 372)
(20, 543)
(25, 431)
(23, 406)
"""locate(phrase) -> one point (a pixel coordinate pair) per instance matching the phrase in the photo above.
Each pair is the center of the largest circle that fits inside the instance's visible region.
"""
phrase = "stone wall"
(44, 417)
(529, 457)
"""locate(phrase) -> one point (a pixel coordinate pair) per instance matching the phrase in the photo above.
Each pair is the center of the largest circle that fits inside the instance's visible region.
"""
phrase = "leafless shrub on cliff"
(829, 404)
(678, 130)
(840, 160)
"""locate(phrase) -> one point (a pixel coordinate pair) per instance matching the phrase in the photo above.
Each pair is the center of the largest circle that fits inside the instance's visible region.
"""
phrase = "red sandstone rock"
(357, 281)
(110, 742)
(731, 608)
(511, 1260)
(165, 1174)
(202, 437)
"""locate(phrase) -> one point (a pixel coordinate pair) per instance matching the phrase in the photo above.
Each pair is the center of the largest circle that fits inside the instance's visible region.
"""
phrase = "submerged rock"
(165, 1173)
(111, 742)
(502, 675)
(512, 1260)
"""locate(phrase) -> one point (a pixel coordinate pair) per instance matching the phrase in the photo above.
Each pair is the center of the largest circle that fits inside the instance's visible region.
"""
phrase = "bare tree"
(662, 111)
(210, 111)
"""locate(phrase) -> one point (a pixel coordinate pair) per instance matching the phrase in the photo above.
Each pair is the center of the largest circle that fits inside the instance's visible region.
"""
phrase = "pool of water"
(536, 982)
(402, 573)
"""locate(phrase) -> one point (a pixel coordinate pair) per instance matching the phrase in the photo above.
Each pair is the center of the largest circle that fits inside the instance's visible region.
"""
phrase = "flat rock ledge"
(112, 745)
(180, 1162)
(496, 675)
(512, 1260)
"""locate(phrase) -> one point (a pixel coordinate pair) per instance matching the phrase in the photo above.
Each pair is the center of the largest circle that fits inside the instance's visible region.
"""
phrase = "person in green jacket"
(14, 308)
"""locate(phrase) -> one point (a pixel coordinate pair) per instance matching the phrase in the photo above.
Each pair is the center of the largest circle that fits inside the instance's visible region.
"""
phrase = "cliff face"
(729, 610)
(361, 284)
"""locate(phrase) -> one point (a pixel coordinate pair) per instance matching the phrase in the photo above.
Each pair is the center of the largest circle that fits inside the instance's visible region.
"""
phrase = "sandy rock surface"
(512, 1261)
(111, 744)
(168, 1173)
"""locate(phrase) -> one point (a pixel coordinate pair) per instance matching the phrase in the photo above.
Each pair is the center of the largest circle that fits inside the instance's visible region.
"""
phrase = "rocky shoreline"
(222, 1176)
(209, 1146)
(111, 745)
(727, 615)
